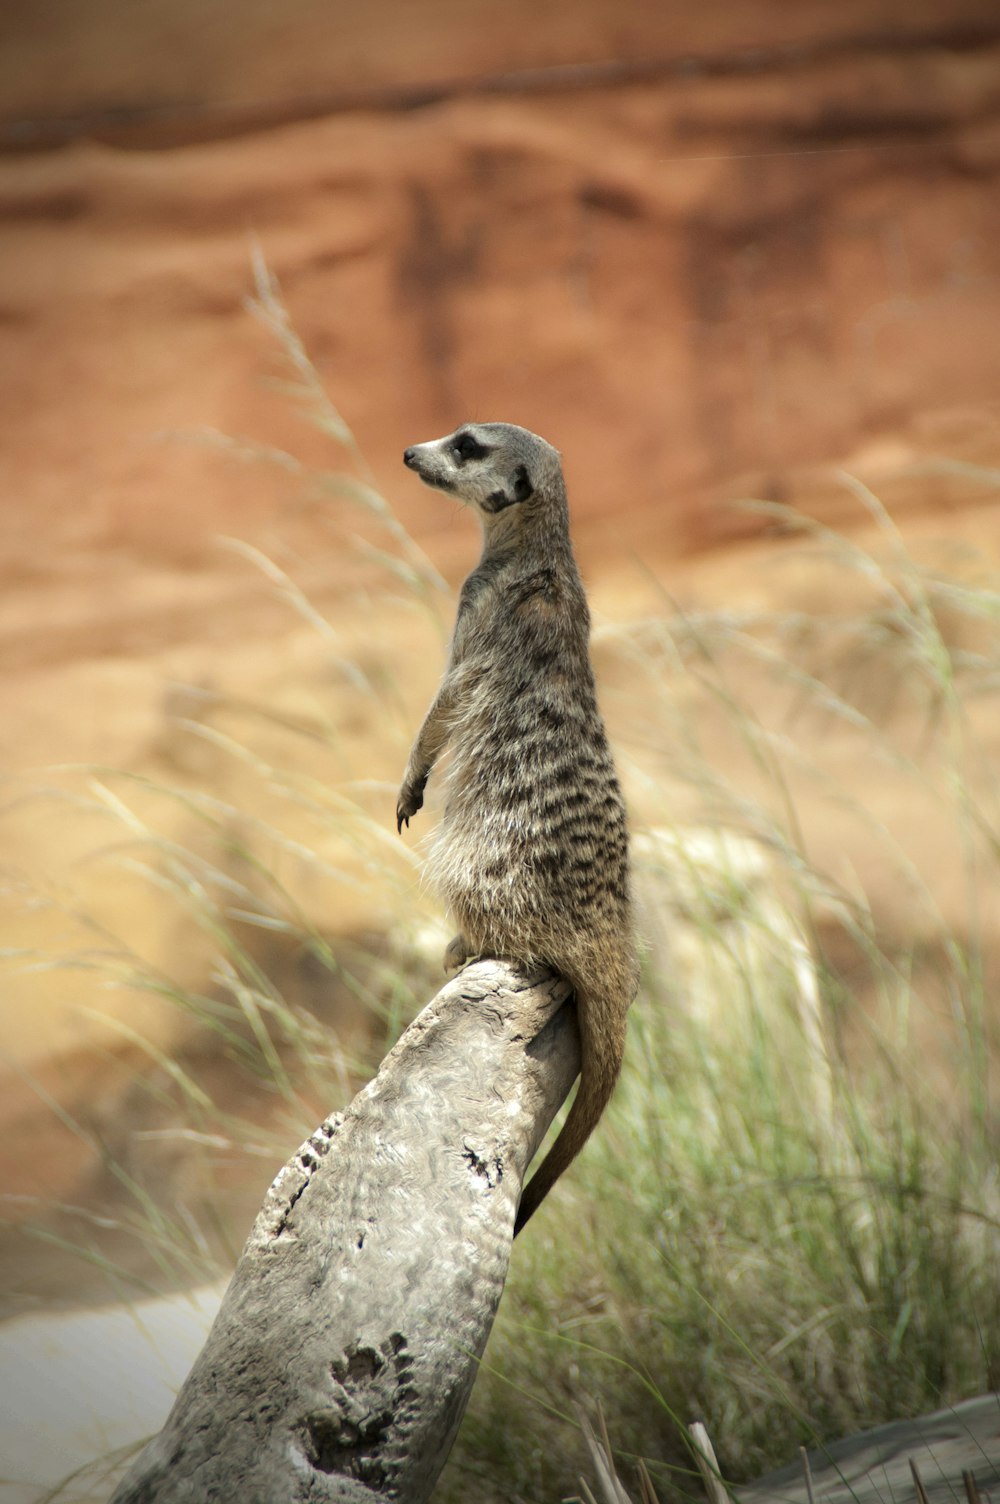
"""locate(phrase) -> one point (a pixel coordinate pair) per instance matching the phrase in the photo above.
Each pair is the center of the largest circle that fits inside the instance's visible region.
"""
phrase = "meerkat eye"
(466, 446)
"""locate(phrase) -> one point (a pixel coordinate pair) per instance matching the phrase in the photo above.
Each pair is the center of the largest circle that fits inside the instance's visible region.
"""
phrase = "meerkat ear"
(522, 484)
(520, 489)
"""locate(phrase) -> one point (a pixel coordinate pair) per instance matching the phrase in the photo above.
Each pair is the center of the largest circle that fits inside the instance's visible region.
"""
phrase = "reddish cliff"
(697, 249)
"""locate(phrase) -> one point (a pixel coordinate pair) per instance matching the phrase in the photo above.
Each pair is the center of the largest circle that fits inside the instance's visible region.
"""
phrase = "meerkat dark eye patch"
(467, 447)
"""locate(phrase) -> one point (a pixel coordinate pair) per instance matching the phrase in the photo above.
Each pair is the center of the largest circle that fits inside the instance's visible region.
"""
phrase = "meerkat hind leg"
(457, 954)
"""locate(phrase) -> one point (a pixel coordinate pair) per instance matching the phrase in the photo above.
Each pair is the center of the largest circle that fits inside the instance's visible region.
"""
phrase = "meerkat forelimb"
(532, 851)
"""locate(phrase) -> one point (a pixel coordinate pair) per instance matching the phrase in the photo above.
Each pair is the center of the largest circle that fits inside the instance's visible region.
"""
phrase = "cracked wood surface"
(342, 1358)
(876, 1467)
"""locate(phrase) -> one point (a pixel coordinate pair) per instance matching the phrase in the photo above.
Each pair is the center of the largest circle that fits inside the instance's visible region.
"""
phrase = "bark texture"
(346, 1346)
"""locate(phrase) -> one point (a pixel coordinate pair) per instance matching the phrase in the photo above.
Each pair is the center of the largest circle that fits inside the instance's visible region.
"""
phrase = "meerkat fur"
(531, 854)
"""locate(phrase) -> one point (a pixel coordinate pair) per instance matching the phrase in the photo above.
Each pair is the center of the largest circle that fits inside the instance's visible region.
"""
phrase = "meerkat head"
(493, 466)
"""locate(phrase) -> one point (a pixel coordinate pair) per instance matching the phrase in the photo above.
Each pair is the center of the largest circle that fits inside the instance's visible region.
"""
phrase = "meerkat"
(532, 852)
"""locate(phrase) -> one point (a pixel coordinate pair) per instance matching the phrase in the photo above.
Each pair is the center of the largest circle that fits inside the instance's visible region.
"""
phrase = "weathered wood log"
(870, 1467)
(343, 1355)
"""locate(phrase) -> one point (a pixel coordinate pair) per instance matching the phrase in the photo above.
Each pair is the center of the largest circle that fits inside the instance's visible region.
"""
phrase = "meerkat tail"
(601, 1020)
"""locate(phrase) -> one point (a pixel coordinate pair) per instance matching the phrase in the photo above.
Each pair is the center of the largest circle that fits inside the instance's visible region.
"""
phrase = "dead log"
(343, 1355)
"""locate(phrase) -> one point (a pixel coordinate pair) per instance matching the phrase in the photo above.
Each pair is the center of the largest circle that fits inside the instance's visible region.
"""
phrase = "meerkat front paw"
(411, 798)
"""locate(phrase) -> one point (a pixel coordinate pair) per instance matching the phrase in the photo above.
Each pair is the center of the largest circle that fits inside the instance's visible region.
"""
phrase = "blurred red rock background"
(710, 251)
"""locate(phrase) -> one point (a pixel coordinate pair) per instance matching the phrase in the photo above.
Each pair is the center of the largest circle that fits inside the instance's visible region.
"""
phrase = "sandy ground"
(90, 1385)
